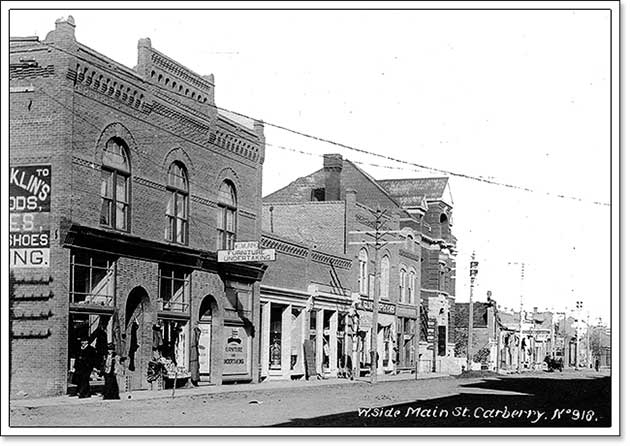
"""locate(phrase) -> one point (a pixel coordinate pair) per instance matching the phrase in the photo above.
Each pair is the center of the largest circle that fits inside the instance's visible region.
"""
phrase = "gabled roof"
(414, 192)
(300, 189)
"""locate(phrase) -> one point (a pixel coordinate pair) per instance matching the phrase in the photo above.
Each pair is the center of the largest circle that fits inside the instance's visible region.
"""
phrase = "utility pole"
(473, 273)
(378, 234)
(379, 222)
(578, 306)
(520, 317)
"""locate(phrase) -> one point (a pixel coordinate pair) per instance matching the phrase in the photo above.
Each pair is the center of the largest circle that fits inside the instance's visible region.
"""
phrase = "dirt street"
(328, 405)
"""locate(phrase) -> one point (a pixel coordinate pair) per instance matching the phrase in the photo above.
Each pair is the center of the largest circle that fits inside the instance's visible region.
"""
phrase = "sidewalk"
(207, 389)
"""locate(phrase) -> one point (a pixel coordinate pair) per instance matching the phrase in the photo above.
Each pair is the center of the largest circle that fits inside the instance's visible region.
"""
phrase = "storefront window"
(172, 343)
(174, 289)
(275, 338)
(91, 279)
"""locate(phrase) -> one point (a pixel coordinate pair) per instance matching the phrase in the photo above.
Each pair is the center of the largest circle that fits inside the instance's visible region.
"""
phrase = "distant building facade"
(428, 206)
(306, 312)
(333, 210)
(144, 182)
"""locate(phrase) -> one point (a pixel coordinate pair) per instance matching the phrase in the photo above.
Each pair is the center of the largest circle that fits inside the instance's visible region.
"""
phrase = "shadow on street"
(538, 402)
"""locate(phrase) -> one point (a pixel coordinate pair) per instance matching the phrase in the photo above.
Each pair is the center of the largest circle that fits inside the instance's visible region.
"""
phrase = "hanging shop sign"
(246, 252)
(29, 214)
(236, 355)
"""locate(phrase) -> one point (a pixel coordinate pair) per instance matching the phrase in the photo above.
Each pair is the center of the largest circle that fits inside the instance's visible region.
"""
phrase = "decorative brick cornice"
(94, 79)
(328, 259)
(85, 163)
(236, 144)
(149, 183)
(199, 127)
(284, 247)
(181, 72)
(202, 200)
(18, 71)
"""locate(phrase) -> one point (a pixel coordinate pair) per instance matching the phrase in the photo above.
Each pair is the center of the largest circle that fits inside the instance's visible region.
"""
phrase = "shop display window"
(174, 289)
(92, 278)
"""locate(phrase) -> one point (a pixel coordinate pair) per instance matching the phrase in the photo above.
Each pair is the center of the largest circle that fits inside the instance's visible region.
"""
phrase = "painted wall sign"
(246, 255)
(236, 357)
(29, 216)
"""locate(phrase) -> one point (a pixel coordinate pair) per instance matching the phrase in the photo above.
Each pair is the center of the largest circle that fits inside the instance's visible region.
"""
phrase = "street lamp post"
(473, 273)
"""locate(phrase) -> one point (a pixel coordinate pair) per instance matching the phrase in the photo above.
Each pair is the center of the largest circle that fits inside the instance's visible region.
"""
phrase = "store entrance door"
(137, 324)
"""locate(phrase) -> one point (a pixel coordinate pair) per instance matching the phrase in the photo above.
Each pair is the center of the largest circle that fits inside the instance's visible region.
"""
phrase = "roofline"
(375, 182)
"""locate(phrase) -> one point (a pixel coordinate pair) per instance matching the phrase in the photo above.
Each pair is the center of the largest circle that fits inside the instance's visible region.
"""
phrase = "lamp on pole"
(474, 265)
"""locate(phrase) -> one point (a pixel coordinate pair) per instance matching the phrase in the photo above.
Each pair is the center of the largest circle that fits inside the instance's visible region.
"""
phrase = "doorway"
(206, 311)
(137, 324)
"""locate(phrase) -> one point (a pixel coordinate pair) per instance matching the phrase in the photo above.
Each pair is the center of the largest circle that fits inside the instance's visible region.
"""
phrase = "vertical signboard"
(204, 349)
(29, 213)
(236, 355)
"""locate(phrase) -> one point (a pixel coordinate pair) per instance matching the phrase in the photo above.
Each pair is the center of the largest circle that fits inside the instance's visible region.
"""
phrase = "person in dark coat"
(100, 336)
(83, 365)
(112, 367)
(194, 356)
(133, 346)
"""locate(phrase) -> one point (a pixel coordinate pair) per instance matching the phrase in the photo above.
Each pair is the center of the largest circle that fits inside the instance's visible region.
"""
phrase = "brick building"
(305, 297)
(124, 184)
(333, 209)
(428, 207)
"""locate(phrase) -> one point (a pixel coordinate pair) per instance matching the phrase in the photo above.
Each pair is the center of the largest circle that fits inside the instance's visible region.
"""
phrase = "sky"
(518, 97)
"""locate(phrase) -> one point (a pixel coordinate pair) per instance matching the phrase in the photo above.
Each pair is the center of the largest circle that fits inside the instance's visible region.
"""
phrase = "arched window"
(363, 278)
(226, 216)
(176, 229)
(115, 185)
(401, 284)
(444, 226)
(412, 286)
(384, 285)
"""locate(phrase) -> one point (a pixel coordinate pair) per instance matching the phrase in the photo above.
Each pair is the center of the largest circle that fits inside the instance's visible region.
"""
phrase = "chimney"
(63, 35)
(333, 163)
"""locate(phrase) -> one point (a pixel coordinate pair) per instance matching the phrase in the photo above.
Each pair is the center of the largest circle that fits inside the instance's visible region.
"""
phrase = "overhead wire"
(359, 150)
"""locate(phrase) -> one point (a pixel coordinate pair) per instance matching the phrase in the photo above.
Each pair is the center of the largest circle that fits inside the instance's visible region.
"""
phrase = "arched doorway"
(207, 321)
(137, 329)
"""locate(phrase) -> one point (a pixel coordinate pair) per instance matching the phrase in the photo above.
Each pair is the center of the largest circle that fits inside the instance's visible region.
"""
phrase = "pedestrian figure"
(194, 356)
(111, 391)
(597, 365)
(83, 365)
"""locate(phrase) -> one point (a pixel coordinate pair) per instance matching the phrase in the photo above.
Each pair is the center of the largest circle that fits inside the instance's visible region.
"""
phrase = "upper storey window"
(176, 229)
(226, 216)
(115, 175)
